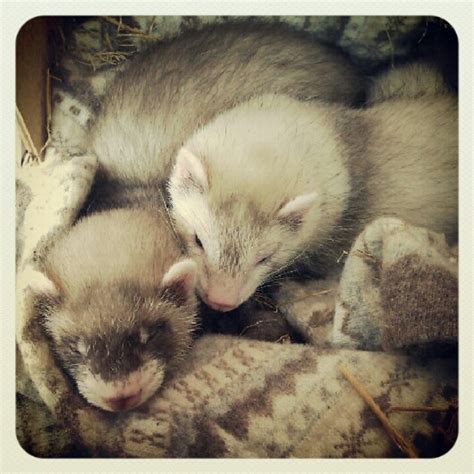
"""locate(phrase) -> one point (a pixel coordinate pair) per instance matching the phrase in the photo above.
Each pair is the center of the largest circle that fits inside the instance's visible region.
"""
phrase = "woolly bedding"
(388, 317)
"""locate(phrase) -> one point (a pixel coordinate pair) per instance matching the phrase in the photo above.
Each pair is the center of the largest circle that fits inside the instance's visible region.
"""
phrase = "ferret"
(120, 305)
(412, 80)
(168, 91)
(274, 180)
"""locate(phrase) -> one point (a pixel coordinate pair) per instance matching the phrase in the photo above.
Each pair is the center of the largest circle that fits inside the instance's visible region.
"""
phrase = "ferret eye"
(264, 259)
(156, 329)
(79, 348)
(198, 242)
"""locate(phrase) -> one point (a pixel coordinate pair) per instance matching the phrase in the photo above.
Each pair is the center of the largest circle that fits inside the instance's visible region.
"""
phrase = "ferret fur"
(167, 92)
(275, 179)
(412, 80)
(121, 308)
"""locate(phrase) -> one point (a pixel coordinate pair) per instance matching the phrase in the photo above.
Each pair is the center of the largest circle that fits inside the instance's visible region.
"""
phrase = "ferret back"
(168, 91)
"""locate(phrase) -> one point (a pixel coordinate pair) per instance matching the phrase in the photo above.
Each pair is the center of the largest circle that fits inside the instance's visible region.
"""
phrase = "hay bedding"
(385, 318)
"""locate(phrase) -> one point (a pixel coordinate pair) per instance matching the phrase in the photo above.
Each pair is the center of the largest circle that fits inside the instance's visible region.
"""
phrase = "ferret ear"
(41, 285)
(179, 282)
(293, 212)
(44, 292)
(189, 172)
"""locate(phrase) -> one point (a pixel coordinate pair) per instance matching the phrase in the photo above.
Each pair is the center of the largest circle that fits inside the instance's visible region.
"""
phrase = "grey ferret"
(275, 180)
(121, 306)
(166, 92)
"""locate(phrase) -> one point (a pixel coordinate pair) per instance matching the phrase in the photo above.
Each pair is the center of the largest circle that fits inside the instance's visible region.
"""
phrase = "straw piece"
(404, 446)
(130, 29)
(25, 134)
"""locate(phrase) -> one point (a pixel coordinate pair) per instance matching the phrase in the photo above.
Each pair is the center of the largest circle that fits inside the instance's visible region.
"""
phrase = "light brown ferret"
(121, 305)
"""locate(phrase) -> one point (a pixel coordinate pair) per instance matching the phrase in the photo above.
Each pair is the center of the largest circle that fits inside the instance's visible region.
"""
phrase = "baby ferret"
(167, 91)
(121, 305)
(274, 180)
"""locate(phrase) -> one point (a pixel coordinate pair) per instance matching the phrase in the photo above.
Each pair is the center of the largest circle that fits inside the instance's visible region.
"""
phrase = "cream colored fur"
(256, 160)
(265, 153)
(413, 162)
(412, 80)
(122, 245)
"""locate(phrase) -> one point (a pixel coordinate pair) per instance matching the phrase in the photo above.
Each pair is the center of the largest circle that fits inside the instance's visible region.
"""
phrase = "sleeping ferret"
(275, 181)
(120, 307)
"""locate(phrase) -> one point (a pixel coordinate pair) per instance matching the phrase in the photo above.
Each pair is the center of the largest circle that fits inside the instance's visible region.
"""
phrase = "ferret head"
(238, 240)
(118, 340)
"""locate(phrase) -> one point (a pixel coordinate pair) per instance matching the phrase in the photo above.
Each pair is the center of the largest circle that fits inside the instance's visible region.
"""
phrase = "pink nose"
(221, 302)
(123, 403)
(222, 294)
(218, 306)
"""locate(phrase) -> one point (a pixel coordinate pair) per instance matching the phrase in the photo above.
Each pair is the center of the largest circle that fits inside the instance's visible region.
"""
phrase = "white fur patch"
(81, 347)
(147, 379)
(193, 214)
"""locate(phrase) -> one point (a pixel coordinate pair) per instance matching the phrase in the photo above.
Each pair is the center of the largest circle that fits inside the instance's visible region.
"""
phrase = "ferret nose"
(123, 403)
(221, 306)
(220, 303)
(222, 294)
